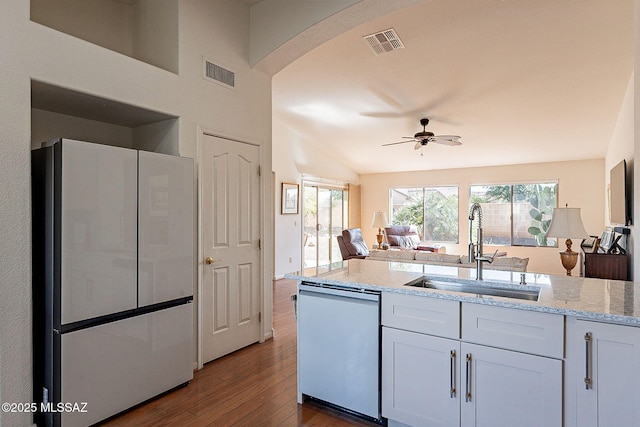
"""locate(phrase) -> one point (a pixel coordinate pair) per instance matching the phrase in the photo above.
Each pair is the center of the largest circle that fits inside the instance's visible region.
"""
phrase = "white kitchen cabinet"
(432, 380)
(605, 361)
(507, 388)
(420, 379)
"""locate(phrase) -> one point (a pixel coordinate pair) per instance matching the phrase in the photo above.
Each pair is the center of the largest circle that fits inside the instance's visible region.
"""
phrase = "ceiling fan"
(423, 138)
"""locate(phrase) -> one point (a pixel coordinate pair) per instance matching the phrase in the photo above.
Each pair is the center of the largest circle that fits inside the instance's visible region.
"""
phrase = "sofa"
(402, 236)
(407, 237)
(423, 257)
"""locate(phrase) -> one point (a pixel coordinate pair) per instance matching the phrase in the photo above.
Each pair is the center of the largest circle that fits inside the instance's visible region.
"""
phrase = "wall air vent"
(384, 41)
(218, 74)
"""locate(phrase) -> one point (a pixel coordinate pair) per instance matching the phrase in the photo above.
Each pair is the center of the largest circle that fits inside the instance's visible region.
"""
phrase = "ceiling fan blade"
(396, 143)
(399, 109)
(451, 140)
(382, 114)
(419, 145)
(386, 98)
(409, 113)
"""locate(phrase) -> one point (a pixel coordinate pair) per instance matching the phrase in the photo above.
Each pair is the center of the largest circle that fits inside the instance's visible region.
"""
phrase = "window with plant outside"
(516, 215)
(433, 210)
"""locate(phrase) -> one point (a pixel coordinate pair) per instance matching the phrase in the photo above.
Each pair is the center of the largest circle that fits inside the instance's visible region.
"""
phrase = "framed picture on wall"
(290, 198)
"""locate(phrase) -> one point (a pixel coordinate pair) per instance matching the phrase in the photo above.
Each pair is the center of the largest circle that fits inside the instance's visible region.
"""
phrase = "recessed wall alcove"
(146, 30)
(58, 112)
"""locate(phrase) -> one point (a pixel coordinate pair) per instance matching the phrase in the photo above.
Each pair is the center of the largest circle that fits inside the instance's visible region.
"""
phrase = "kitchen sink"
(478, 289)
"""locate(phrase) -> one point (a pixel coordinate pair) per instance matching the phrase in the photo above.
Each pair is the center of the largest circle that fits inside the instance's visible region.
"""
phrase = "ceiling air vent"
(218, 74)
(384, 41)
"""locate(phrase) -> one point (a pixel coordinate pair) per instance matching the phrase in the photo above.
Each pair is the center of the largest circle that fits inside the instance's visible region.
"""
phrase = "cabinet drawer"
(520, 330)
(421, 314)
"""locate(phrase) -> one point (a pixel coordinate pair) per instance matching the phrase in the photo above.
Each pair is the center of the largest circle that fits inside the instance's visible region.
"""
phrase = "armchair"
(352, 245)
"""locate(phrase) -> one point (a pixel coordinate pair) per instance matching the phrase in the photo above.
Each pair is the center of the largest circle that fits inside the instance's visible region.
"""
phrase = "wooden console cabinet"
(606, 266)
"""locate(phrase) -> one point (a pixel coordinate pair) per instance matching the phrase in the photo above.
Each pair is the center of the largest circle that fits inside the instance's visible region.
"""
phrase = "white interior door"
(230, 219)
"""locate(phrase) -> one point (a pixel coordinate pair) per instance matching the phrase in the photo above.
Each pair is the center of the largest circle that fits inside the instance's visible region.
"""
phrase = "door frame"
(201, 133)
(328, 185)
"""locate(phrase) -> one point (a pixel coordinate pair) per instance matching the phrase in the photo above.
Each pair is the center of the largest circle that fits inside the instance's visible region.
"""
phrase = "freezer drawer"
(117, 365)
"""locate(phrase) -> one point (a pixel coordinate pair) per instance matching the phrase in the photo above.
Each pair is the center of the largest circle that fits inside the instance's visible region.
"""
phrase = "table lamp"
(566, 222)
(380, 221)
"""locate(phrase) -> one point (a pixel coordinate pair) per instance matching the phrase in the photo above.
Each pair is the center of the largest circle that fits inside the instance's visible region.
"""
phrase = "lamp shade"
(567, 223)
(379, 220)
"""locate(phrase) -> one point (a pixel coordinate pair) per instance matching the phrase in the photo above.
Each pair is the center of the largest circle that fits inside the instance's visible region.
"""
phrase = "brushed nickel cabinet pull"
(587, 351)
(468, 394)
(452, 376)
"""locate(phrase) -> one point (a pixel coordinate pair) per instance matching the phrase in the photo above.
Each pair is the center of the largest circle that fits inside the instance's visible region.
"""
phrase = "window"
(516, 215)
(433, 210)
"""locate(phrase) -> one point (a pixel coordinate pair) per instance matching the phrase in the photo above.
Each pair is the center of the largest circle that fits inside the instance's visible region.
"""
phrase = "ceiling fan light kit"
(424, 137)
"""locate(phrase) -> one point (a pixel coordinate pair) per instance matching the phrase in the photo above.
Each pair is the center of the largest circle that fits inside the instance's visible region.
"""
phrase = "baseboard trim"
(268, 335)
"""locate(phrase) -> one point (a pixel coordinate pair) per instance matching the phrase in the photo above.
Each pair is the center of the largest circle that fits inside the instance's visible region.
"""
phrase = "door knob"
(208, 260)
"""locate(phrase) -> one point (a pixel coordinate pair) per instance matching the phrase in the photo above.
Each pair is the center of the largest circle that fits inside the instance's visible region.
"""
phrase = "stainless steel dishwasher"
(339, 347)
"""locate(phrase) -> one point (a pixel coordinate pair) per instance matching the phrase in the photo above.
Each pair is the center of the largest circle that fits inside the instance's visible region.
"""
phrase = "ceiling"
(520, 81)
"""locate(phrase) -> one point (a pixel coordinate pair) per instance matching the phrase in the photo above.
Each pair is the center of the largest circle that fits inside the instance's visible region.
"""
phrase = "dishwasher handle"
(363, 294)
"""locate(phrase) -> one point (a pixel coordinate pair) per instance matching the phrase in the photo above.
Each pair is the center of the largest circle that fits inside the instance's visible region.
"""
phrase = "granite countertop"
(597, 299)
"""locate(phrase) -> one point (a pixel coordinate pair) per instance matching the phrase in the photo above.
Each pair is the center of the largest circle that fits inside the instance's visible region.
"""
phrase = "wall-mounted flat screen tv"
(618, 195)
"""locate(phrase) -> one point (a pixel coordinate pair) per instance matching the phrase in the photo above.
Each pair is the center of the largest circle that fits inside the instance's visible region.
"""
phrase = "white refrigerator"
(113, 278)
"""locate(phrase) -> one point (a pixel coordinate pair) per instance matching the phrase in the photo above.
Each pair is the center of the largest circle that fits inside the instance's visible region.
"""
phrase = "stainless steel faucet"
(475, 249)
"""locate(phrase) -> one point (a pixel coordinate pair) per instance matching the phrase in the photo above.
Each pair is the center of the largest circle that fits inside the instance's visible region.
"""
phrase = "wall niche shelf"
(146, 30)
(59, 112)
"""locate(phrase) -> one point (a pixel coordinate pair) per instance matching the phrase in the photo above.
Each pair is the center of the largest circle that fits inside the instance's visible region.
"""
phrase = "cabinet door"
(610, 361)
(507, 388)
(420, 379)
(166, 228)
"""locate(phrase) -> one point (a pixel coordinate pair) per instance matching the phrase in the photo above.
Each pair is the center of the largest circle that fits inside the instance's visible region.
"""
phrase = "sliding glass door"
(325, 216)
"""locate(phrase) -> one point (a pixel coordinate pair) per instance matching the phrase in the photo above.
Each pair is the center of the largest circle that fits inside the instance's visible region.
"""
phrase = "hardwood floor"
(255, 386)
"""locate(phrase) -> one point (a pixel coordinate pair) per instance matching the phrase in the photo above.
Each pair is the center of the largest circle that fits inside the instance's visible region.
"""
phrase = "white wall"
(155, 33)
(288, 18)
(107, 23)
(577, 181)
(220, 32)
(28, 50)
(284, 30)
(636, 144)
(621, 147)
(293, 157)
(145, 29)
(46, 125)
